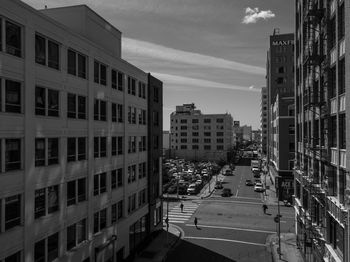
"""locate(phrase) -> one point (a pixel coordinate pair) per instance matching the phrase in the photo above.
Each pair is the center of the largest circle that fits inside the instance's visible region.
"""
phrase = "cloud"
(252, 15)
(133, 47)
(183, 83)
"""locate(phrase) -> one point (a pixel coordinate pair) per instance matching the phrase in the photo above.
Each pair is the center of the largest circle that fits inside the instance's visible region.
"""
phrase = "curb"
(171, 248)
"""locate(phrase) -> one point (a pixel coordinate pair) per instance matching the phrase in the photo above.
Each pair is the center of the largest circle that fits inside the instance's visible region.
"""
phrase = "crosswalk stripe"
(175, 215)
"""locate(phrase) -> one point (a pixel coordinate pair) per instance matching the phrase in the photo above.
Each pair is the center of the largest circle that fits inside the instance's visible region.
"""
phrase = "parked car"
(259, 187)
(192, 189)
(172, 189)
(226, 192)
(218, 185)
(228, 172)
(249, 182)
(257, 181)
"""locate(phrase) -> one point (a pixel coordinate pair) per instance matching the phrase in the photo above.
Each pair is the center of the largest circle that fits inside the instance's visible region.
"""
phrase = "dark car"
(218, 185)
(172, 190)
(249, 182)
(226, 192)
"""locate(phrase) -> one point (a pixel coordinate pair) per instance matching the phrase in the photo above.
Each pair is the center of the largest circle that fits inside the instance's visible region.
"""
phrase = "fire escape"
(316, 122)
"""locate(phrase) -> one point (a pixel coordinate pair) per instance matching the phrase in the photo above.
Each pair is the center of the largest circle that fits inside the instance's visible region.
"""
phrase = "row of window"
(196, 147)
(196, 127)
(196, 140)
(196, 120)
(47, 150)
(218, 134)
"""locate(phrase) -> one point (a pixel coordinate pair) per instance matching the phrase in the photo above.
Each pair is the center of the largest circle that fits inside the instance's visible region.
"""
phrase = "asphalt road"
(231, 228)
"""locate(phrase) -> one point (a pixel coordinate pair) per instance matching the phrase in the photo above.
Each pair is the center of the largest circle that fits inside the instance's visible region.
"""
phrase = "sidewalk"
(269, 195)
(289, 249)
(158, 248)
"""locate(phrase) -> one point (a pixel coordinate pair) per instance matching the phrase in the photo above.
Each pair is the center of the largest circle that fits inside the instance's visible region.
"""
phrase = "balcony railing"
(334, 156)
(334, 107)
(342, 158)
(342, 101)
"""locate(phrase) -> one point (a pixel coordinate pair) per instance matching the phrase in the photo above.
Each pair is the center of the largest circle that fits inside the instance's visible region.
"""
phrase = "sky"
(208, 52)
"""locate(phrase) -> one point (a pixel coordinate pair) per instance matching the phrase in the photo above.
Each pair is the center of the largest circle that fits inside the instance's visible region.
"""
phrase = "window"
(13, 38)
(142, 90)
(155, 142)
(142, 117)
(156, 118)
(100, 110)
(342, 131)
(114, 179)
(207, 134)
(120, 177)
(119, 145)
(100, 220)
(207, 140)
(11, 215)
(291, 130)
(76, 64)
(195, 134)
(183, 134)
(10, 96)
(207, 120)
(219, 140)
(183, 147)
(341, 77)
(120, 113)
(155, 94)
(142, 197)
(183, 121)
(219, 133)
(114, 112)
(100, 147)
(76, 106)
(195, 140)
(120, 208)
(114, 145)
(131, 173)
(46, 101)
(76, 234)
(52, 151)
(131, 115)
(132, 144)
(40, 152)
(131, 203)
(46, 201)
(100, 73)
(76, 191)
(280, 70)
(207, 147)
(12, 154)
(183, 140)
(195, 121)
(114, 213)
(183, 127)
(207, 127)
(195, 147)
(219, 147)
(131, 86)
(142, 144)
(100, 184)
(219, 120)
(280, 80)
(16, 257)
(47, 52)
(46, 250)
(142, 170)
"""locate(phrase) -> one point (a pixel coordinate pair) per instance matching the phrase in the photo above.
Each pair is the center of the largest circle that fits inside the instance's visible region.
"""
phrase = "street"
(229, 228)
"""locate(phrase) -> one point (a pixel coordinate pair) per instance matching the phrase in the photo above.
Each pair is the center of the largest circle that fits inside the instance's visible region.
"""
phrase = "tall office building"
(80, 139)
(322, 117)
(197, 136)
(280, 92)
(263, 120)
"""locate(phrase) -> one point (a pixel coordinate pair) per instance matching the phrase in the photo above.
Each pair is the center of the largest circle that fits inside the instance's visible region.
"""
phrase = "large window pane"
(103, 75)
(71, 149)
(13, 154)
(39, 251)
(103, 147)
(71, 193)
(40, 101)
(103, 183)
(13, 97)
(71, 67)
(81, 148)
(39, 151)
(81, 189)
(120, 81)
(81, 66)
(71, 238)
(40, 200)
(13, 39)
(52, 247)
(12, 211)
(81, 231)
(71, 104)
(96, 109)
(96, 147)
(53, 55)
(52, 198)
(81, 107)
(17, 257)
(40, 50)
(103, 110)
(96, 72)
(96, 184)
(103, 218)
(52, 151)
(53, 102)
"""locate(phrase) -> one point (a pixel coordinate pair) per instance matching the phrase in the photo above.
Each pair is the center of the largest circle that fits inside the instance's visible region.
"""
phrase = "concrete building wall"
(27, 126)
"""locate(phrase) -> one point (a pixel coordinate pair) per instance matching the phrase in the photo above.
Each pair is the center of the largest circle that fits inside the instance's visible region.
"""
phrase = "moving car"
(226, 192)
(259, 187)
(228, 172)
(192, 189)
(249, 182)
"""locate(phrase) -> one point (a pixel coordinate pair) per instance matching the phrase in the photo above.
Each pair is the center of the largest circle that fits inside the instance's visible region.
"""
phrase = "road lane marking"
(236, 193)
(226, 240)
(235, 228)
(225, 201)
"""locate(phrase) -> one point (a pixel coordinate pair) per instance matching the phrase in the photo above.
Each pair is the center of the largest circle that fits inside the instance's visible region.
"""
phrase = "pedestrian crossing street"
(176, 216)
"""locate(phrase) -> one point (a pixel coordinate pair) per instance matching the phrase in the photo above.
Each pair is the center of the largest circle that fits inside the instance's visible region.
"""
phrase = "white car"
(259, 187)
(192, 189)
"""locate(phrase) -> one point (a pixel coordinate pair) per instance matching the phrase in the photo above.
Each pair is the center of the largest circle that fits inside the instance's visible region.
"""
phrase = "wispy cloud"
(133, 47)
(181, 82)
(252, 15)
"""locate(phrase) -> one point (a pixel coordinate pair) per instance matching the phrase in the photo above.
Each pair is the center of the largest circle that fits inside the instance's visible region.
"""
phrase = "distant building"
(263, 119)
(256, 136)
(242, 133)
(197, 136)
(280, 90)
